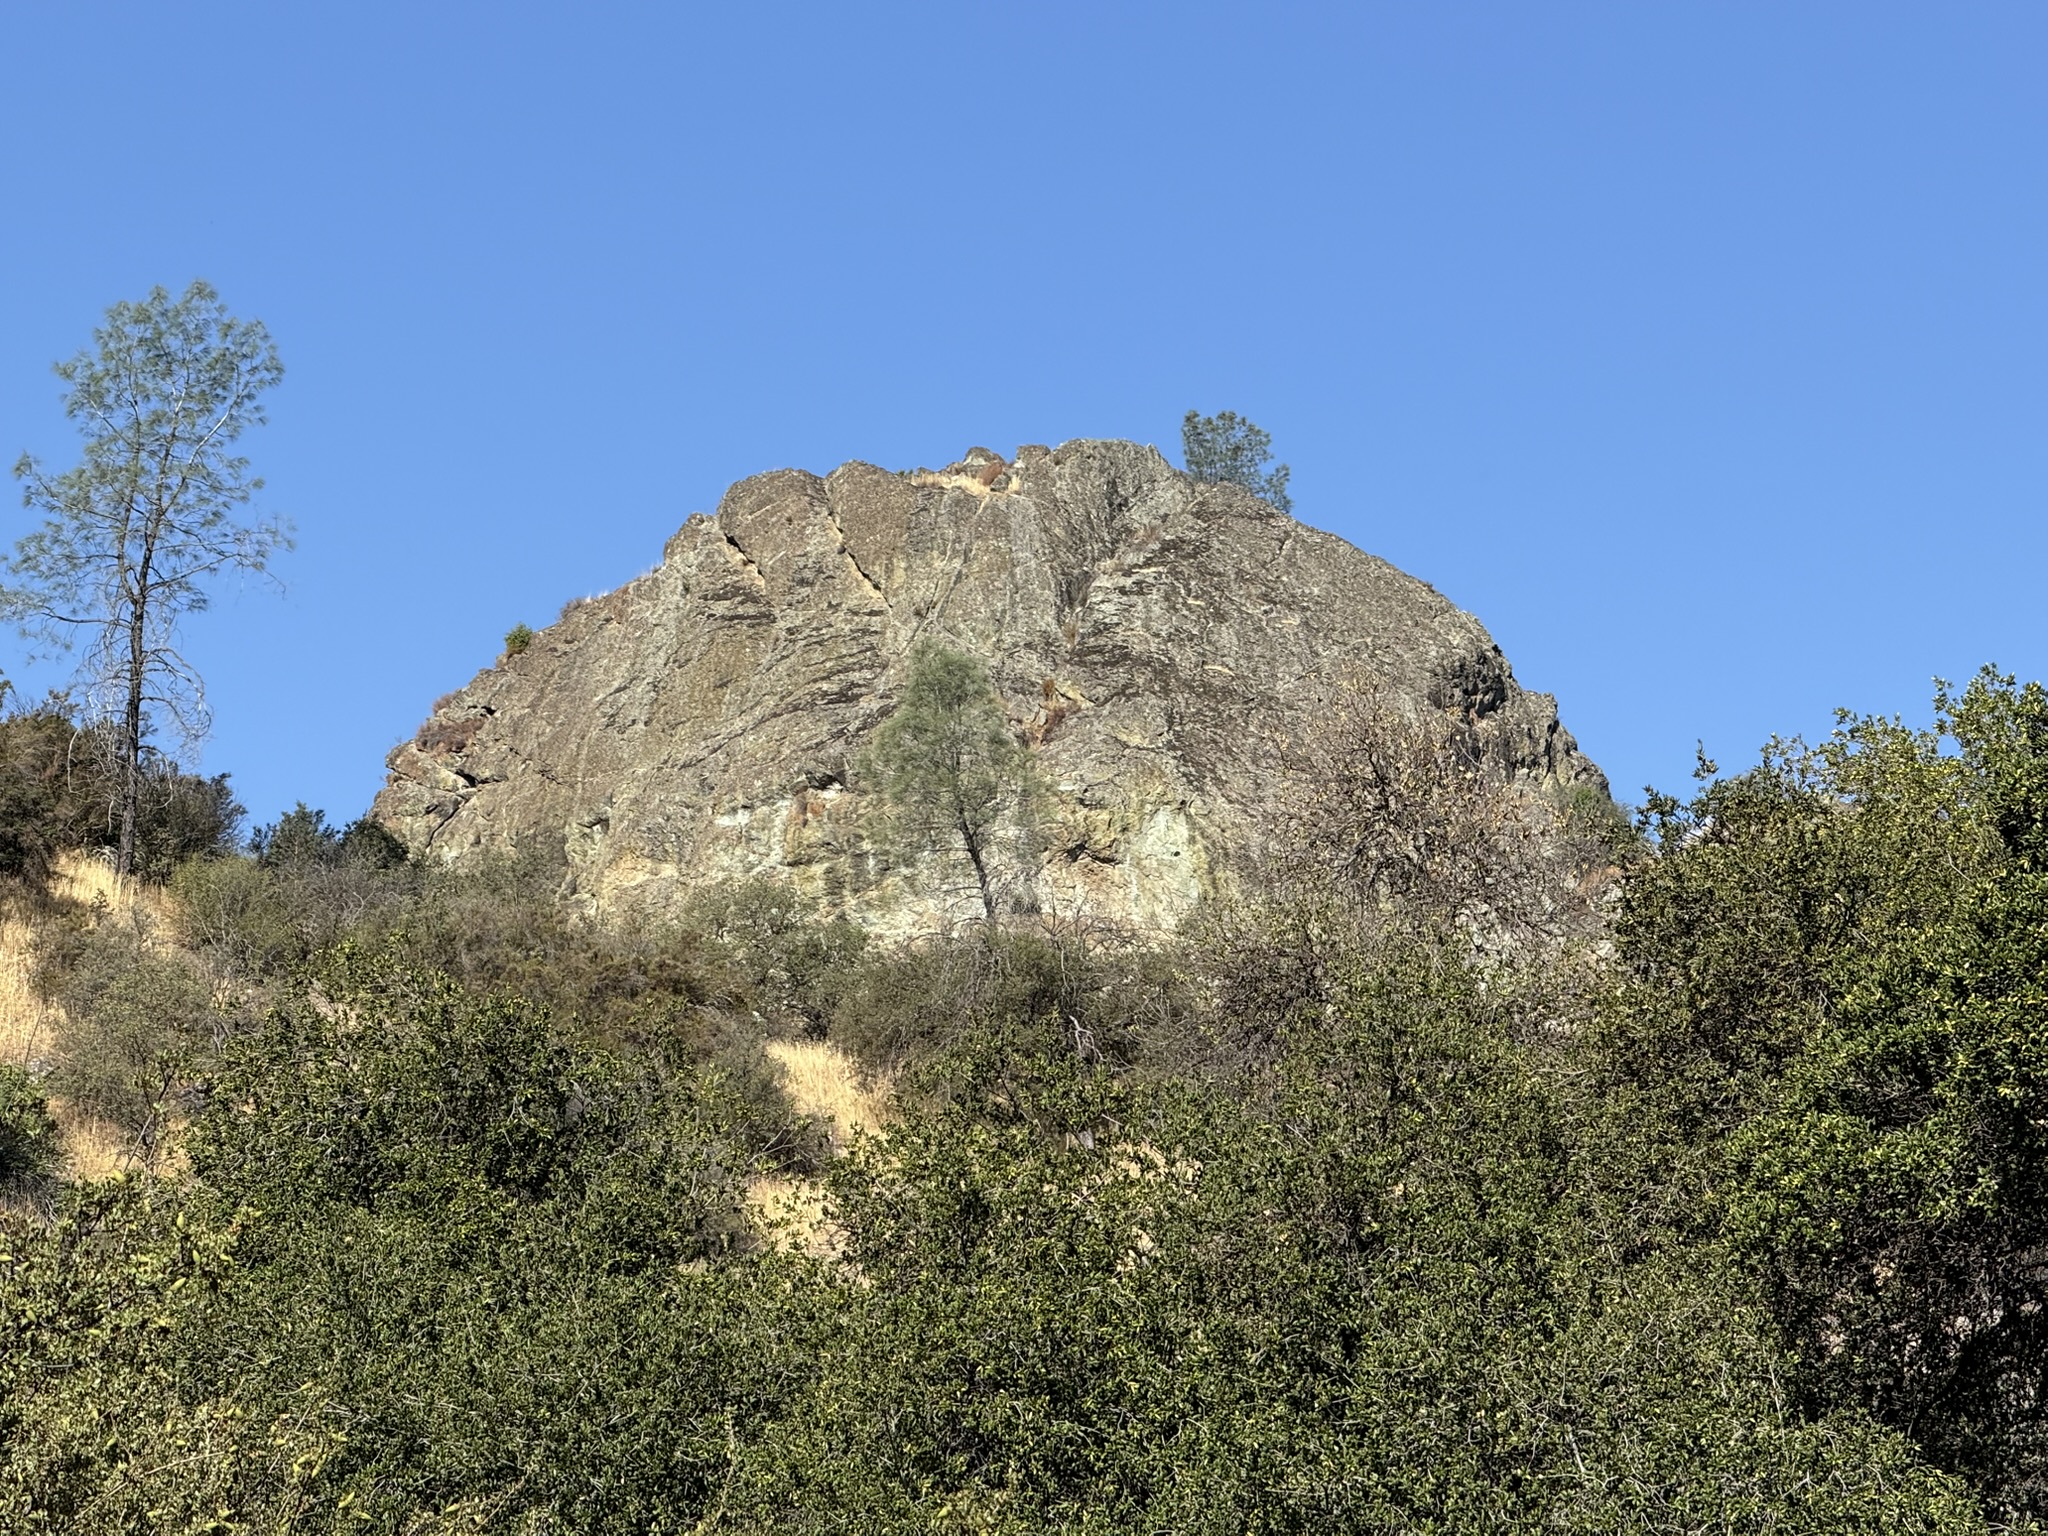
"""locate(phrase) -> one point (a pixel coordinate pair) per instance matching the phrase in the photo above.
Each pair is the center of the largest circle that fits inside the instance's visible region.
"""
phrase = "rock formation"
(1159, 642)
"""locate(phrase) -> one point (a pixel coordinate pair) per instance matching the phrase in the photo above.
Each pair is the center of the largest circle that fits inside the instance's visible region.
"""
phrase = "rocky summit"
(1160, 643)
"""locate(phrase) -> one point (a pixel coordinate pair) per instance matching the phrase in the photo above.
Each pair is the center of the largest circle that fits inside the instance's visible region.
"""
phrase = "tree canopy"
(1308, 1220)
(1229, 449)
(133, 535)
(949, 764)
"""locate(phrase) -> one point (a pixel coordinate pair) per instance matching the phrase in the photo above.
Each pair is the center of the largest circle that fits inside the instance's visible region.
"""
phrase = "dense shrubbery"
(28, 1136)
(59, 790)
(1316, 1224)
(1834, 1037)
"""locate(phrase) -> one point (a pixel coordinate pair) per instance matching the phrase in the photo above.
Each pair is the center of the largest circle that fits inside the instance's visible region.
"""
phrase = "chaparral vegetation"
(346, 1193)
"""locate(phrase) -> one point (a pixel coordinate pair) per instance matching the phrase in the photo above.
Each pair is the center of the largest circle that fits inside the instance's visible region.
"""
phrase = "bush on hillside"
(784, 958)
(49, 798)
(237, 914)
(1831, 1050)
(58, 791)
(140, 1028)
(1089, 996)
(28, 1136)
(1329, 1218)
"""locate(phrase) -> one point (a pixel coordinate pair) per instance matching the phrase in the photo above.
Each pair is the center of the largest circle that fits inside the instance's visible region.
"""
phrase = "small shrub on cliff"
(1228, 448)
(517, 639)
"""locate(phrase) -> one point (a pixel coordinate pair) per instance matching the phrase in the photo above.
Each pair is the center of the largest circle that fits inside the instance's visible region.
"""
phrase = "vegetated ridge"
(1160, 643)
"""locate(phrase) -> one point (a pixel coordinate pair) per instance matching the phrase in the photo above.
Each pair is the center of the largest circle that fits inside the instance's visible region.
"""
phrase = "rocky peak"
(1157, 641)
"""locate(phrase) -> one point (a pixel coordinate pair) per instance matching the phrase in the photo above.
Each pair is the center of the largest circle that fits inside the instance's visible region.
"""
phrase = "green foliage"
(132, 536)
(180, 816)
(239, 915)
(1595, 830)
(28, 1136)
(747, 962)
(48, 799)
(1838, 962)
(140, 1026)
(303, 888)
(517, 639)
(1353, 1290)
(441, 1264)
(1309, 1223)
(296, 840)
(1228, 449)
(914, 1007)
(100, 1428)
(427, 1246)
(301, 839)
(60, 789)
(774, 950)
(950, 766)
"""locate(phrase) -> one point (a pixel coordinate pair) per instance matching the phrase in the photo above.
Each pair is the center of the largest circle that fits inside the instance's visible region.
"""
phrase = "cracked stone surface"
(1158, 642)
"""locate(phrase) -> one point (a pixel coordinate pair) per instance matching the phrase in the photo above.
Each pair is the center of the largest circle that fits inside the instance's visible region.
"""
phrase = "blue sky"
(1698, 349)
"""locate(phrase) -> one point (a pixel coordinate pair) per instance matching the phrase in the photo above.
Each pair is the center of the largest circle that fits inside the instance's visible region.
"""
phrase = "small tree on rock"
(1228, 448)
(949, 765)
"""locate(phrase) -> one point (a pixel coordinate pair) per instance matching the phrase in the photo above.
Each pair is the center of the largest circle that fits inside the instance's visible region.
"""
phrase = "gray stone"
(1159, 642)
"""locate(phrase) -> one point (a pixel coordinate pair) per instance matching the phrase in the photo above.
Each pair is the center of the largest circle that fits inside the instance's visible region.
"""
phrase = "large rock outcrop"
(1159, 643)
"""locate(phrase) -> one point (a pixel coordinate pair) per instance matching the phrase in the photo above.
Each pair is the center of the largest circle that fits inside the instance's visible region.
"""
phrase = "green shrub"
(58, 787)
(139, 1027)
(28, 1136)
(1095, 1001)
(1830, 1057)
(517, 639)
(183, 816)
(1229, 449)
(49, 799)
(239, 914)
(782, 955)
(371, 845)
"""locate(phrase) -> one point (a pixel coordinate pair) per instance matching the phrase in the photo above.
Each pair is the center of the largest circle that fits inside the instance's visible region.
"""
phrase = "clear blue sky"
(1700, 349)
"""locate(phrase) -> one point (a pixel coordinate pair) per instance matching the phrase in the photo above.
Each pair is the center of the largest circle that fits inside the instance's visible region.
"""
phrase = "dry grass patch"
(91, 882)
(32, 1029)
(93, 1149)
(824, 1083)
(28, 1025)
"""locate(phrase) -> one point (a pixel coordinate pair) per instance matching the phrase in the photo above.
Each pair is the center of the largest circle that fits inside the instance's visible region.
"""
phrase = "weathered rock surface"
(1158, 641)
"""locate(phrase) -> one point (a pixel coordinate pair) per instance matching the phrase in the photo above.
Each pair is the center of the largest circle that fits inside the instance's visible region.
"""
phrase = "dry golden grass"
(32, 1029)
(27, 1023)
(790, 1213)
(825, 1084)
(91, 882)
(93, 1149)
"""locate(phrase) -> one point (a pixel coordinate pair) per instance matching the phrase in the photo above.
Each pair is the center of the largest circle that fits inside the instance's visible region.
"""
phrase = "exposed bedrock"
(1160, 643)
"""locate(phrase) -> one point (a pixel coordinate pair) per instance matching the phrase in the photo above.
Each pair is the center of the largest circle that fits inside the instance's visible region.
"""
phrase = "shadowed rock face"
(1158, 642)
